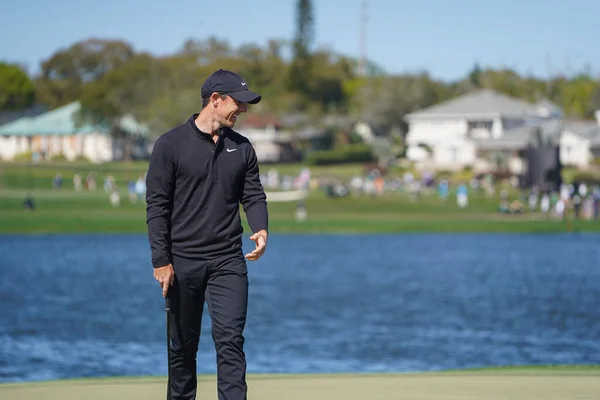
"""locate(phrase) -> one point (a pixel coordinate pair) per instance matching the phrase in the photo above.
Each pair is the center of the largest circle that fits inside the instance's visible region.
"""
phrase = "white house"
(273, 144)
(57, 133)
(270, 144)
(473, 129)
(579, 143)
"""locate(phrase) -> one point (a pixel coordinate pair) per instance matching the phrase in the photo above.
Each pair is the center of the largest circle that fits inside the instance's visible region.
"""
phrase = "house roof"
(17, 128)
(129, 124)
(60, 121)
(63, 121)
(585, 129)
(485, 103)
(520, 137)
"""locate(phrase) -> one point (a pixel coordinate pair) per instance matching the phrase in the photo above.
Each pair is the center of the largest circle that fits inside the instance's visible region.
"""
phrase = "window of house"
(482, 124)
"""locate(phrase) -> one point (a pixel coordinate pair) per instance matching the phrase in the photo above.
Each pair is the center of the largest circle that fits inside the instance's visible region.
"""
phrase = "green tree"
(577, 96)
(475, 76)
(391, 98)
(16, 89)
(332, 74)
(300, 73)
(65, 73)
(162, 92)
(594, 104)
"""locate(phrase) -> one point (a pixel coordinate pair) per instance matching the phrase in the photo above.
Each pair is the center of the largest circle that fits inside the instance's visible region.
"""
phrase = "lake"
(88, 305)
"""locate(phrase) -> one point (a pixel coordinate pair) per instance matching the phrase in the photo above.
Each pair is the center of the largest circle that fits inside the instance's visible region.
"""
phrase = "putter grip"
(167, 304)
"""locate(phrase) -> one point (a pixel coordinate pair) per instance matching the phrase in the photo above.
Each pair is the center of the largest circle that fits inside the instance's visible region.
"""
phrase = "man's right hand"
(165, 277)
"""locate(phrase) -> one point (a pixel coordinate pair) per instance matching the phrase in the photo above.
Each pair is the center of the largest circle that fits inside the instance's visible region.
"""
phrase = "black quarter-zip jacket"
(194, 188)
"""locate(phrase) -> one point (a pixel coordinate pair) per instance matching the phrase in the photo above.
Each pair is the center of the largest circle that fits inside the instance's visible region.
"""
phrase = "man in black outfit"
(199, 174)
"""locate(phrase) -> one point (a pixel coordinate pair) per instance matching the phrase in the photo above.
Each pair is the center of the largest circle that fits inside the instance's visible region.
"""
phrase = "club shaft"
(168, 313)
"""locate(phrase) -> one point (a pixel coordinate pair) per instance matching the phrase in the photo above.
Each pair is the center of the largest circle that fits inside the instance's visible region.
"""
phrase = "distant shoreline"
(308, 232)
(48, 223)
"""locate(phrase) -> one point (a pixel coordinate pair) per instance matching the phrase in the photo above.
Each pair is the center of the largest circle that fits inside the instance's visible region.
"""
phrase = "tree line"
(111, 78)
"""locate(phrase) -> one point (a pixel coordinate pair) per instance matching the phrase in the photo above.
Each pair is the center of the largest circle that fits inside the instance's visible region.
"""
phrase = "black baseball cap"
(231, 84)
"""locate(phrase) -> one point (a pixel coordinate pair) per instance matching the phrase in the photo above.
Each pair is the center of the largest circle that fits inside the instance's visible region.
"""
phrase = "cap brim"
(246, 96)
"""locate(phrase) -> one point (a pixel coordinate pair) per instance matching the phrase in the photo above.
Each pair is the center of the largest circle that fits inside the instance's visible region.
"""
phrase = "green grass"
(531, 369)
(65, 211)
(510, 383)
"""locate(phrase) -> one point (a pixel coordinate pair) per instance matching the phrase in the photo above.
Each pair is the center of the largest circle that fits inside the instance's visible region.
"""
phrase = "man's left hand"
(260, 239)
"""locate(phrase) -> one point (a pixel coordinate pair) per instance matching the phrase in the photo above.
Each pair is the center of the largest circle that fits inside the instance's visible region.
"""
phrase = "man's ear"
(214, 97)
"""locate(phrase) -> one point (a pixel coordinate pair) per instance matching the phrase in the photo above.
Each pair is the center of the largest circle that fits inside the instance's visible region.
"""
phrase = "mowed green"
(65, 211)
(573, 383)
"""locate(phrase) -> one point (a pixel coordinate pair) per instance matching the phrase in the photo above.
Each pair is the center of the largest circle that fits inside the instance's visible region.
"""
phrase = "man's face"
(228, 109)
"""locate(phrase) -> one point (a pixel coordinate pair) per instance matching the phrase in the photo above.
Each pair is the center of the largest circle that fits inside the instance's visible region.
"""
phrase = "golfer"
(199, 174)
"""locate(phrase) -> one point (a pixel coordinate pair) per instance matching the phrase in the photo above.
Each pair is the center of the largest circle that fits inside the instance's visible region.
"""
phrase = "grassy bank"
(507, 384)
(67, 211)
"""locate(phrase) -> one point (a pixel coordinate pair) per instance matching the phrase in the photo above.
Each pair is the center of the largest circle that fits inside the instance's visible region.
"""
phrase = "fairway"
(558, 384)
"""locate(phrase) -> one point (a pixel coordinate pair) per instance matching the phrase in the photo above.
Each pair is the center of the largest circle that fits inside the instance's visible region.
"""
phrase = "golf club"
(168, 312)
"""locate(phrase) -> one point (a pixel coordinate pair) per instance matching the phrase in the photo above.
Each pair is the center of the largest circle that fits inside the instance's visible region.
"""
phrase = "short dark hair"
(206, 100)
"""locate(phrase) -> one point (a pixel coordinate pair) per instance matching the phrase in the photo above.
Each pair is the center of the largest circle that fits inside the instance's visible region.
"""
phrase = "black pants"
(223, 283)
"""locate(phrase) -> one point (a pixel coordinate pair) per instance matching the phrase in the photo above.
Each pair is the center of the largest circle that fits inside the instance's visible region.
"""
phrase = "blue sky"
(446, 38)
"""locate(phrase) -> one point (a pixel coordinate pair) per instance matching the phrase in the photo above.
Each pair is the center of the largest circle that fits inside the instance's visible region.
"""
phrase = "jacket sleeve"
(253, 198)
(160, 185)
